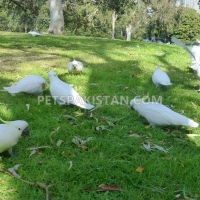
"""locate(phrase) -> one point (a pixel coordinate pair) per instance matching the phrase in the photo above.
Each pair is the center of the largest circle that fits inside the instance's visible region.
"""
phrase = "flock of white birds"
(64, 94)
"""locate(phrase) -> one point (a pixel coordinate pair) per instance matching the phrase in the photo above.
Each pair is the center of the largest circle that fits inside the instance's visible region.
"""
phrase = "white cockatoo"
(160, 78)
(10, 133)
(64, 94)
(32, 84)
(34, 33)
(160, 115)
(75, 67)
(196, 52)
(194, 55)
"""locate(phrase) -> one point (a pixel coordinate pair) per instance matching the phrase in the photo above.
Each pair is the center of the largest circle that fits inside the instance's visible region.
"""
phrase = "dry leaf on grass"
(78, 141)
(160, 148)
(150, 147)
(13, 170)
(68, 154)
(81, 143)
(34, 150)
(140, 169)
(59, 142)
(70, 165)
(28, 106)
(69, 117)
(104, 187)
(101, 128)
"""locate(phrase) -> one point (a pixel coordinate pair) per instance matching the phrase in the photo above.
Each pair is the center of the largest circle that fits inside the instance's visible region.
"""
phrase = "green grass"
(117, 68)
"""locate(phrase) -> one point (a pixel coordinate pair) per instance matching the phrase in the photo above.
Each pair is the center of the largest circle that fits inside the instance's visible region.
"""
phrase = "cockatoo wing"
(65, 94)
(31, 84)
(158, 114)
(179, 43)
(160, 78)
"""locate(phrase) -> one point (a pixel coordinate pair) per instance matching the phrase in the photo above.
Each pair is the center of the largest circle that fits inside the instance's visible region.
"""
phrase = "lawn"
(115, 72)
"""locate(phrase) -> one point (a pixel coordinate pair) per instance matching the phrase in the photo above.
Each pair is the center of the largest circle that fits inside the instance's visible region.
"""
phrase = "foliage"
(164, 18)
(94, 18)
(189, 29)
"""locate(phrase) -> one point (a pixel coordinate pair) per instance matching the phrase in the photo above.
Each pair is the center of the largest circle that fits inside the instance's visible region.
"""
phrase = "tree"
(116, 6)
(165, 17)
(189, 28)
(135, 17)
(31, 8)
(27, 10)
(56, 17)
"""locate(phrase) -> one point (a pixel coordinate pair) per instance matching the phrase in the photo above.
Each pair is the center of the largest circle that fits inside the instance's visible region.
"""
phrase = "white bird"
(75, 67)
(160, 115)
(10, 133)
(160, 78)
(34, 33)
(194, 55)
(32, 84)
(196, 52)
(64, 94)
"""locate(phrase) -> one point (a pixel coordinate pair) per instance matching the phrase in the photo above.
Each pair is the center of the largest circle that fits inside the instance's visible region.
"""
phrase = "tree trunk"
(25, 25)
(56, 17)
(114, 18)
(128, 32)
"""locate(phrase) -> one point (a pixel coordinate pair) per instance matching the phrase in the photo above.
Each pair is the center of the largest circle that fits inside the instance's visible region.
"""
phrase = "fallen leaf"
(110, 123)
(13, 170)
(78, 141)
(28, 106)
(70, 165)
(160, 148)
(104, 187)
(68, 154)
(140, 169)
(101, 128)
(53, 132)
(78, 114)
(32, 153)
(134, 135)
(83, 147)
(69, 117)
(36, 148)
(59, 143)
(147, 147)
(177, 196)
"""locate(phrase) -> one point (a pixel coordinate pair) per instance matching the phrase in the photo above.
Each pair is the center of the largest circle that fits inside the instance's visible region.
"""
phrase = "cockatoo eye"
(19, 129)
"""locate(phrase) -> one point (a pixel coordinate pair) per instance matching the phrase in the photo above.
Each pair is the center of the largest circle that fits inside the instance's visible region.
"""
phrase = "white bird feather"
(160, 78)
(179, 43)
(10, 133)
(75, 67)
(159, 114)
(32, 84)
(34, 33)
(64, 94)
(194, 55)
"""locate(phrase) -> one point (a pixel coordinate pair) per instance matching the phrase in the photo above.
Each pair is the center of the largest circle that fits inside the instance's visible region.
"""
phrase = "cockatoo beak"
(25, 132)
(75, 66)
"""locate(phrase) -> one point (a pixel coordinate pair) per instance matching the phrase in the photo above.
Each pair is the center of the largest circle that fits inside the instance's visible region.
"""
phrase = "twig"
(39, 184)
